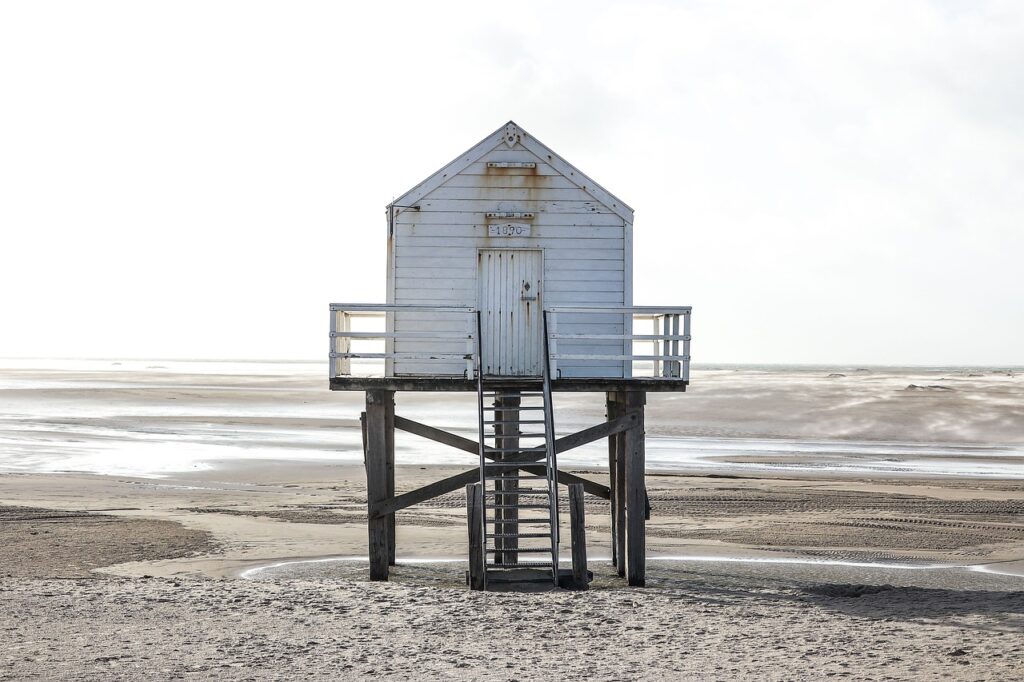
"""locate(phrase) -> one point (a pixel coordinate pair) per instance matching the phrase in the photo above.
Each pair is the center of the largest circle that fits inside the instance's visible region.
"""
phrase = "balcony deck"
(663, 367)
(441, 384)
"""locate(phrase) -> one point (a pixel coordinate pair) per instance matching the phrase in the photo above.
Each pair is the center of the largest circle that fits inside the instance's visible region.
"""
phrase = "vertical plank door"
(510, 305)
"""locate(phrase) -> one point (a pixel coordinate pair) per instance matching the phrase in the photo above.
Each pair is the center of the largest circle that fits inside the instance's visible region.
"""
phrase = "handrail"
(481, 444)
(668, 362)
(400, 307)
(549, 447)
(634, 310)
(342, 335)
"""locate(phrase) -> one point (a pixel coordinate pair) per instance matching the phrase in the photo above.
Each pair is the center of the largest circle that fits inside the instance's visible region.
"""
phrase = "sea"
(157, 418)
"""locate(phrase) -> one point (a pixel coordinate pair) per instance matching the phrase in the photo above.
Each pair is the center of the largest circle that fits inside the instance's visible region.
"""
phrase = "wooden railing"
(343, 335)
(668, 344)
(667, 359)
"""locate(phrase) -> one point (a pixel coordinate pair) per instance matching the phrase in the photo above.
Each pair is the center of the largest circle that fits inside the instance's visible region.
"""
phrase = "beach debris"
(836, 375)
(929, 387)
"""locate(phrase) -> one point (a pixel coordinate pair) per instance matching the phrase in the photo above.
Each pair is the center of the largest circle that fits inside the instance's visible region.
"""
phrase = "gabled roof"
(509, 135)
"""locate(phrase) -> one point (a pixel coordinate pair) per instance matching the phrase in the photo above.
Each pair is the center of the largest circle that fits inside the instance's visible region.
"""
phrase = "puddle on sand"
(1007, 574)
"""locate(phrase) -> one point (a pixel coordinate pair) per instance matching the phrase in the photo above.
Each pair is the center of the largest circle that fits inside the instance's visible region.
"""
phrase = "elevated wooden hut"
(510, 274)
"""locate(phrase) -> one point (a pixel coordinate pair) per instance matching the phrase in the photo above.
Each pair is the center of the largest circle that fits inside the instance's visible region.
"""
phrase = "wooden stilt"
(578, 535)
(636, 493)
(377, 402)
(474, 521)
(619, 493)
(612, 412)
(389, 451)
(509, 411)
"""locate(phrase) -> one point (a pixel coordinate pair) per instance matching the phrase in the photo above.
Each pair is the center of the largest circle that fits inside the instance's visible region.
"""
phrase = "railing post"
(552, 342)
(390, 344)
(686, 346)
(346, 343)
(331, 373)
(666, 326)
(628, 344)
(472, 344)
(657, 347)
(676, 364)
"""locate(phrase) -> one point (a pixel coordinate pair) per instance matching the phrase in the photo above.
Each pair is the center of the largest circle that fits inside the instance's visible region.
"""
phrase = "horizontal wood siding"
(435, 248)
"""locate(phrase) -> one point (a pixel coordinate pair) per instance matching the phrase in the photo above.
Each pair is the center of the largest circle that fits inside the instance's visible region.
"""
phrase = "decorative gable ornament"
(511, 134)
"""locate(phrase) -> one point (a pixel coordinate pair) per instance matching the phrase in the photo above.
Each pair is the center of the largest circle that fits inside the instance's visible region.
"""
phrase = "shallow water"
(668, 571)
(153, 418)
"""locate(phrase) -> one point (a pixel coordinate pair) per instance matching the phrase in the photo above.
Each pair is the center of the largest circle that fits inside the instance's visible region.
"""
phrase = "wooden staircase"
(519, 479)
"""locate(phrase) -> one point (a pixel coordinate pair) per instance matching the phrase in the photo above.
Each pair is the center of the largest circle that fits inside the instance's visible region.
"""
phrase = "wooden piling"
(578, 535)
(636, 493)
(619, 492)
(389, 451)
(379, 403)
(612, 412)
(475, 523)
(508, 515)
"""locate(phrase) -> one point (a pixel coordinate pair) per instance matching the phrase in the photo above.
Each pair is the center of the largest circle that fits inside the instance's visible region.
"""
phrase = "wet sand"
(168, 608)
(219, 570)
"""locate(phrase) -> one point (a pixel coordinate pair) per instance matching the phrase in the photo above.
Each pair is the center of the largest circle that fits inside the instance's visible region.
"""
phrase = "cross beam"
(398, 502)
(564, 444)
(453, 483)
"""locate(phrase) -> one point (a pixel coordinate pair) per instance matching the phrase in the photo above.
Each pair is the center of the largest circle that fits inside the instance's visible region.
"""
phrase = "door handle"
(526, 294)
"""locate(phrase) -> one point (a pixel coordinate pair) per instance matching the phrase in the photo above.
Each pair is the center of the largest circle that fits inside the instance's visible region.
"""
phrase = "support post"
(389, 451)
(636, 493)
(578, 535)
(619, 492)
(475, 523)
(378, 405)
(612, 412)
(508, 437)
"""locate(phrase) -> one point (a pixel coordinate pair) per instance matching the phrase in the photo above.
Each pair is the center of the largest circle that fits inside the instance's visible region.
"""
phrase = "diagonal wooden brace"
(427, 492)
(453, 483)
(563, 444)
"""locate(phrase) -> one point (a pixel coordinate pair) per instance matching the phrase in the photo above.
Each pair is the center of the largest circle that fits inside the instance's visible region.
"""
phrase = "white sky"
(823, 182)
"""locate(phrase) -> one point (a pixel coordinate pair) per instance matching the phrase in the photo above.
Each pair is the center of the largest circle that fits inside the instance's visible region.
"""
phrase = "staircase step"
(518, 521)
(523, 564)
(523, 394)
(519, 506)
(514, 421)
(518, 535)
(532, 448)
(519, 491)
(492, 408)
(519, 550)
(515, 435)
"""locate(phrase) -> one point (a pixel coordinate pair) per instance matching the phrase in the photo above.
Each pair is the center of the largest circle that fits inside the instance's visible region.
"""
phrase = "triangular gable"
(509, 135)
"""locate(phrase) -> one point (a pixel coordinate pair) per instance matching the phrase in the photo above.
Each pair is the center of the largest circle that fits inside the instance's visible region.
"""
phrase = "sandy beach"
(211, 525)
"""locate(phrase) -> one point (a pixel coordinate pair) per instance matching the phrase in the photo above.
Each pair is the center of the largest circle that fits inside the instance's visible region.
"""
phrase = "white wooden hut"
(511, 228)
(510, 273)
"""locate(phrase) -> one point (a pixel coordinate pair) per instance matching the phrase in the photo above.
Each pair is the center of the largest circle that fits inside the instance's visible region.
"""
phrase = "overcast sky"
(823, 182)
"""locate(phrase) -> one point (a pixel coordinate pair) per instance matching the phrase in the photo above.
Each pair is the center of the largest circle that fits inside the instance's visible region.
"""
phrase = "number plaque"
(508, 230)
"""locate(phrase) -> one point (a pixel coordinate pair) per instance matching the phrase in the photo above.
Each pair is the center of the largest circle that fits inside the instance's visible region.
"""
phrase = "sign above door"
(508, 230)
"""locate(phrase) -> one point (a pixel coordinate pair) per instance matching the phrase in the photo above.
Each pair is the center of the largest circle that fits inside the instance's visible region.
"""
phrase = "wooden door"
(510, 310)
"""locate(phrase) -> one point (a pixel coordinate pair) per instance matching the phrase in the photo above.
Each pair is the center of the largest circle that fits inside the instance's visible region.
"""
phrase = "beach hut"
(510, 273)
